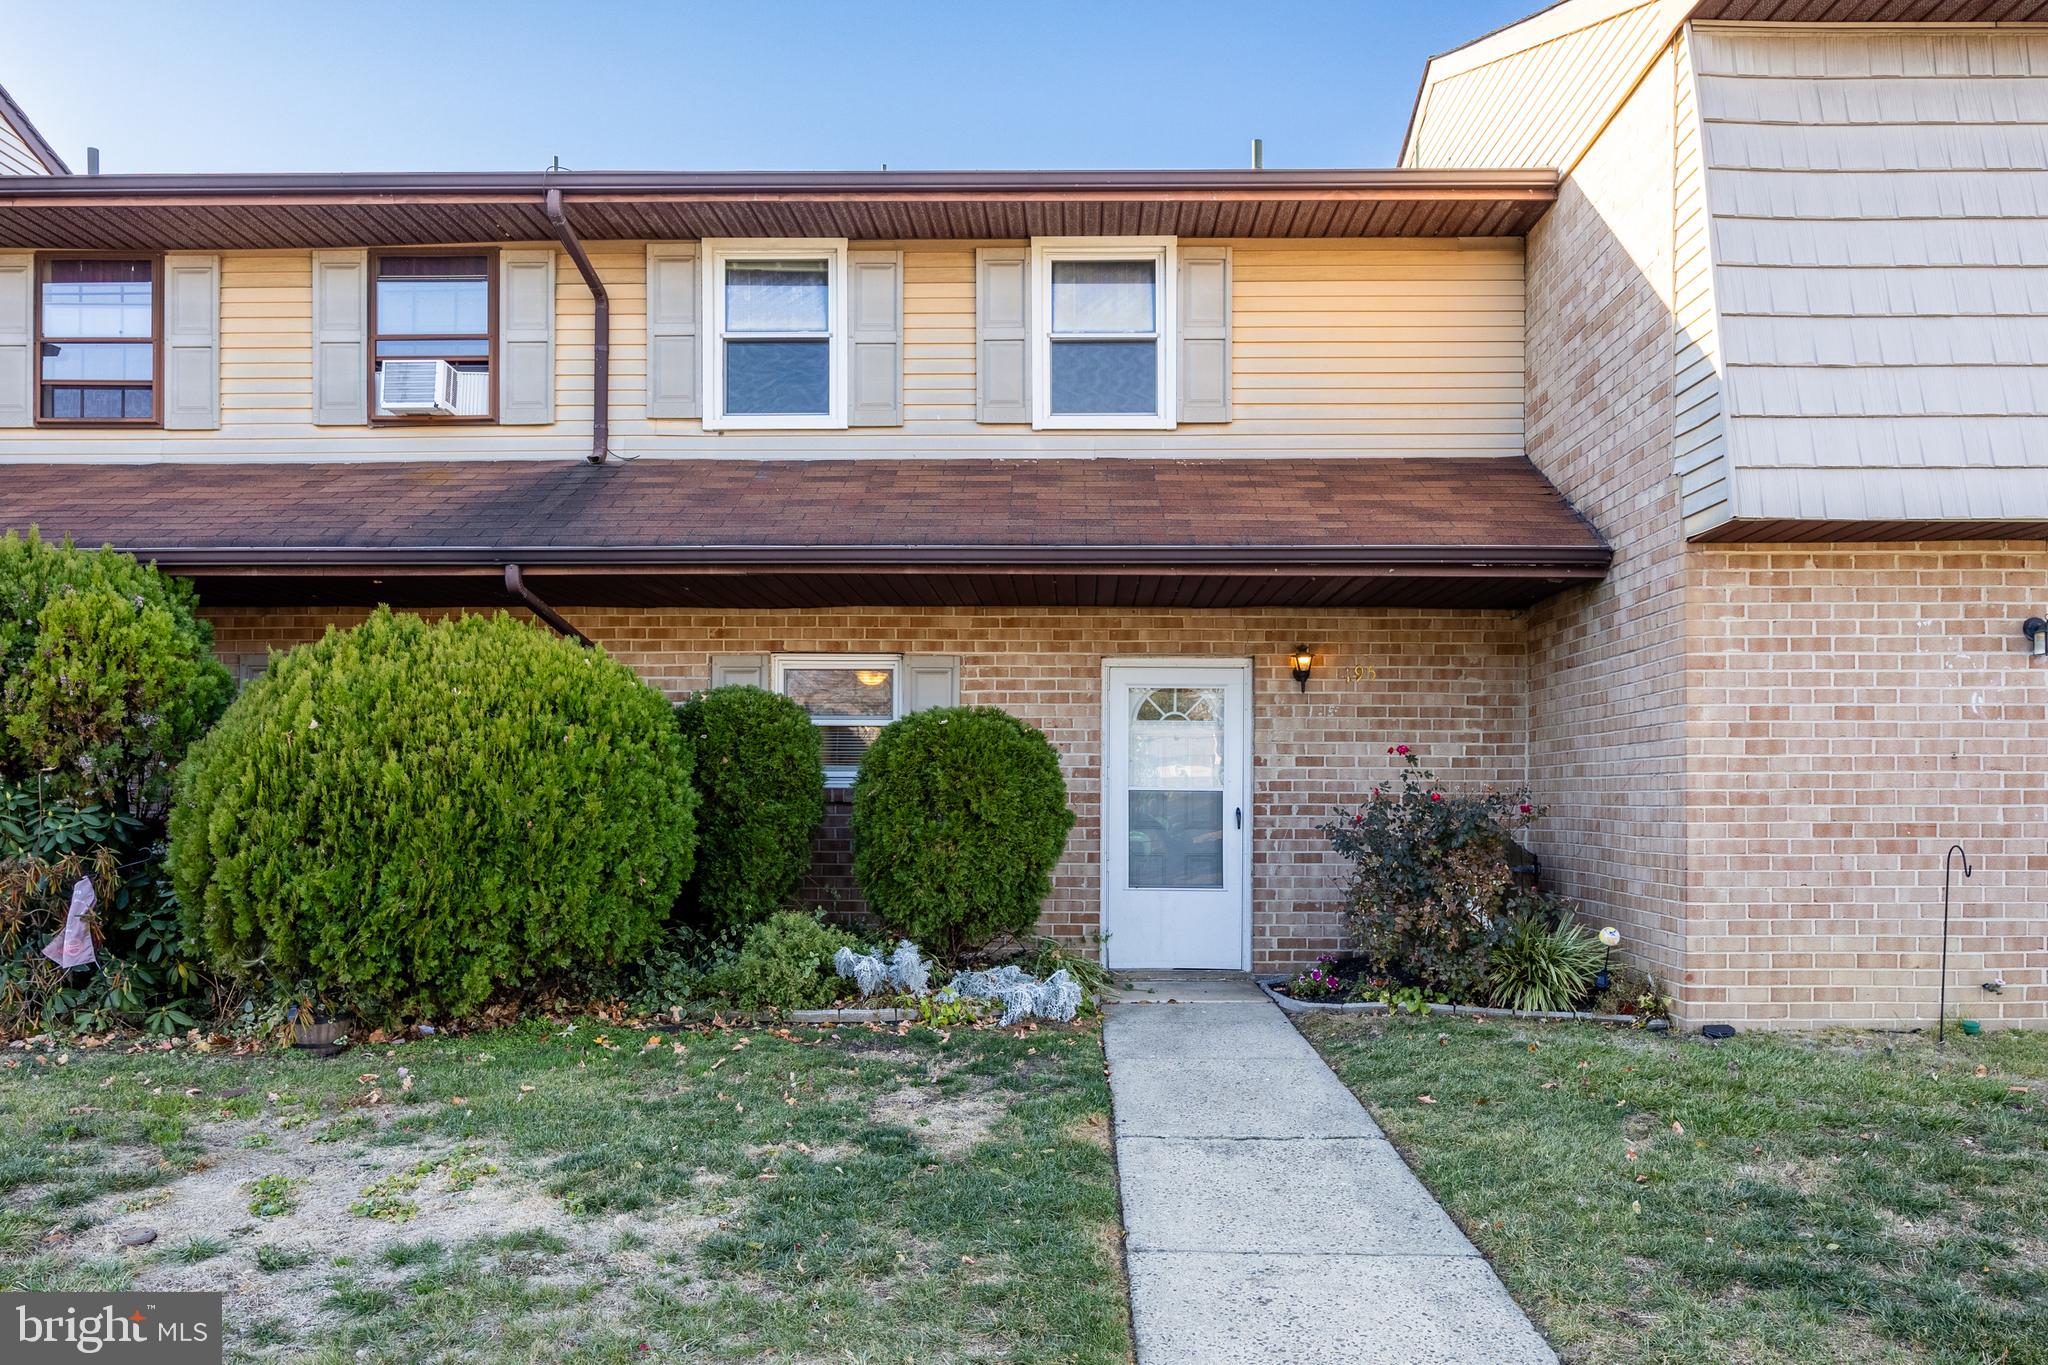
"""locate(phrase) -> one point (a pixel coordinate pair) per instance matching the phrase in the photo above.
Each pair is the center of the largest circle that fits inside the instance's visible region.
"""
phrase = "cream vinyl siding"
(1699, 429)
(1879, 202)
(15, 156)
(1537, 93)
(1382, 347)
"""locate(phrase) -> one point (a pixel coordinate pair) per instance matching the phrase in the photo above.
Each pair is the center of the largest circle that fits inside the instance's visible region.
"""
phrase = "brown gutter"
(513, 187)
(1534, 561)
(516, 585)
(601, 343)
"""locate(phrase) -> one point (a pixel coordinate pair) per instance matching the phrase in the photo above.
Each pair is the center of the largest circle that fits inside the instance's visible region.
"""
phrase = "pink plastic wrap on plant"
(72, 947)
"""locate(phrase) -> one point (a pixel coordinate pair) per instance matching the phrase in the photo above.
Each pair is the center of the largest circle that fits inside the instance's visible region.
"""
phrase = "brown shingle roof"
(1320, 520)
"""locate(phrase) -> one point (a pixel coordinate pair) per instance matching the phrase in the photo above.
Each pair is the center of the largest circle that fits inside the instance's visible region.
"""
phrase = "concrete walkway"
(1266, 1216)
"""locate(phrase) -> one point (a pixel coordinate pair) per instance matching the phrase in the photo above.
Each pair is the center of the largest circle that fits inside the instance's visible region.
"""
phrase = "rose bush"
(1432, 884)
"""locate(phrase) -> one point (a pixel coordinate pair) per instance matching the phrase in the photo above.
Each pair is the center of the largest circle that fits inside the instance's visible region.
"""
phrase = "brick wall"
(1857, 709)
(1450, 682)
(1607, 662)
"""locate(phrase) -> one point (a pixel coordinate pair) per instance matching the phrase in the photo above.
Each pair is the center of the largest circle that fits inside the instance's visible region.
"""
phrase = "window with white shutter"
(777, 352)
(1104, 326)
(849, 697)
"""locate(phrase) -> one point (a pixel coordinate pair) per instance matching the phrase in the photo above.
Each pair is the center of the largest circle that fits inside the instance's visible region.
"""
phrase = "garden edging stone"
(1293, 1006)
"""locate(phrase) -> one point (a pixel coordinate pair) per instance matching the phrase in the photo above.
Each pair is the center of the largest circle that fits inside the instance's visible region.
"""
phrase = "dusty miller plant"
(1432, 882)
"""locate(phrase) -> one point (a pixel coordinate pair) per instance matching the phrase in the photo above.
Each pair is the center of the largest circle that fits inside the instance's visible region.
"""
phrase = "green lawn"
(551, 1194)
(1846, 1198)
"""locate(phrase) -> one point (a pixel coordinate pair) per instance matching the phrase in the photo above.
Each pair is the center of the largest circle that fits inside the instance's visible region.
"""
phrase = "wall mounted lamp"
(1303, 662)
(2036, 631)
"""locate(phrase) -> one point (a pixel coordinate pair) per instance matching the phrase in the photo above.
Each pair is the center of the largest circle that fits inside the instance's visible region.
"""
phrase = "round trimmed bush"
(411, 815)
(760, 779)
(106, 672)
(959, 814)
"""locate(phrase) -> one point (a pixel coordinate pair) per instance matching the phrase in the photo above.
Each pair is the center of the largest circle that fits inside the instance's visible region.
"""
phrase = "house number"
(1360, 673)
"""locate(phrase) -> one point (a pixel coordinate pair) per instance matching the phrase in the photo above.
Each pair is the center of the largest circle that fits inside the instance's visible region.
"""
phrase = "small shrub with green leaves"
(1432, 877)
(1544, 961)
(760, 780)
(786, 964)
(107, 673)
(413, 815)
(959, 815)
(146, 972)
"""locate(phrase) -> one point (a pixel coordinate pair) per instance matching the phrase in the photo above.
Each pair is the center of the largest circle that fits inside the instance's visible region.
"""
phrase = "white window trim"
(780, 664)
(1046, 250)
(715, 252)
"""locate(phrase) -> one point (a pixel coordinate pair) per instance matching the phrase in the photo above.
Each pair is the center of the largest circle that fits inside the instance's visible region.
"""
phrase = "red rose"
(1436, 796)
(1400, 748)
(1390, 748)
(1526, 808)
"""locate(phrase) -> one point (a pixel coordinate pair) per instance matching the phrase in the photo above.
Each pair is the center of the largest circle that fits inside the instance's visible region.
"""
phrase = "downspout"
(516, 585)
(601, 345)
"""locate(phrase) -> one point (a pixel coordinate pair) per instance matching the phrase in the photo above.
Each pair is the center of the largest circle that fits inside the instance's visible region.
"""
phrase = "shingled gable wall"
(1450, 682)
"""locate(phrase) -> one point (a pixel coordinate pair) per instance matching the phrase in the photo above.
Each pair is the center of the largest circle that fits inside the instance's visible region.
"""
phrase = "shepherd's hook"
(1947, 881)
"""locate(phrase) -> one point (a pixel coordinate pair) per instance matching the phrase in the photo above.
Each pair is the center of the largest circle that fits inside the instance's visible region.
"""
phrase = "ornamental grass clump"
(1432, 883)
(959, 814)
(760, 780)
(412, 816)
(1544, 961)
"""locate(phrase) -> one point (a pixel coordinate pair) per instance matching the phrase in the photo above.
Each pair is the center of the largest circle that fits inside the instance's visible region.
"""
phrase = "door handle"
(1240, 817)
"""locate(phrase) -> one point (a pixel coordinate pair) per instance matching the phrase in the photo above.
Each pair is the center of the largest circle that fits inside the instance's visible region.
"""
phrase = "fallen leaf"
(1677, 1127)
(1424, 1099)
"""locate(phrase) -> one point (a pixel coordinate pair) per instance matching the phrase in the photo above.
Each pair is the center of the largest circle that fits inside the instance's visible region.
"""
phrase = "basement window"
(849, 697)
(777, 358)
(97, 333)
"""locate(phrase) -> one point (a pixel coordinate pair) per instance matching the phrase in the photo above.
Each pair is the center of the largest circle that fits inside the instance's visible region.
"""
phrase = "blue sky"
(238, 85)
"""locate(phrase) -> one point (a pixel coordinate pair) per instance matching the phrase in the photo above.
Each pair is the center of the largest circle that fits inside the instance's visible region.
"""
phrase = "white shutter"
(930, 680)
(17, 340)
(739, 670)
(341, 326)
(875, 363)
(191, 400)
(1205, 334)
(1002, 334)
(526, 337)
(672, 330)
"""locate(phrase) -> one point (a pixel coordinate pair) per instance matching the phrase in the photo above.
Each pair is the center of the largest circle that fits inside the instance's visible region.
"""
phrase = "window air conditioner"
(414, 387)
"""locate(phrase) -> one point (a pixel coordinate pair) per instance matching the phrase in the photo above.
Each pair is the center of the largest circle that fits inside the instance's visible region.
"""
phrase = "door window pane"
(843, 692)
(772, 378)
(1176, 740)
(1175, 781)
(1176, 839)
(1103, 296)
(777, 296)
(1105, 377)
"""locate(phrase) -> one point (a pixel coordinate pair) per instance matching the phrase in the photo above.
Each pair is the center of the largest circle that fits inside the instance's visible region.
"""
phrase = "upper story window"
(1104, 319)
(435, 306)
(97, 331)
(850, 697)
(777, 357)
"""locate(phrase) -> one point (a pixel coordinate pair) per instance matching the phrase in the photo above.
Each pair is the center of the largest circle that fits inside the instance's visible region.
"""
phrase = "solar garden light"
(2036, 631)
(1608, 938)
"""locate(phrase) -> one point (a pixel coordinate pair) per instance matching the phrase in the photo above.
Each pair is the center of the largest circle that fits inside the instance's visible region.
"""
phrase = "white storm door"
(1176, 787)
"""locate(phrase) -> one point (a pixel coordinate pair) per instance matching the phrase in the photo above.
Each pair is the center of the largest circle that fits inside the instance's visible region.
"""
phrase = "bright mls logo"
(162, 1329)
